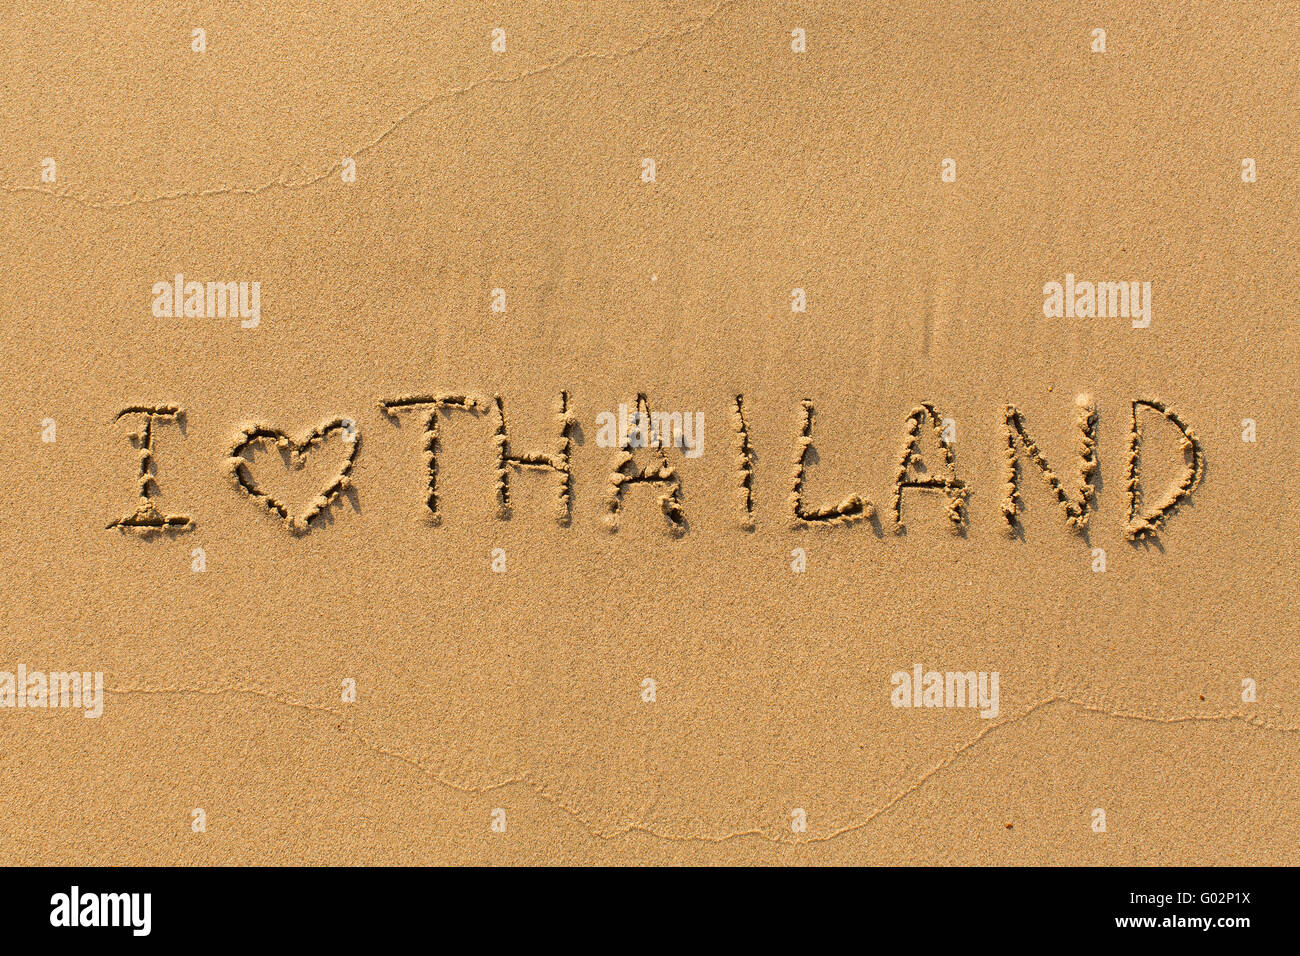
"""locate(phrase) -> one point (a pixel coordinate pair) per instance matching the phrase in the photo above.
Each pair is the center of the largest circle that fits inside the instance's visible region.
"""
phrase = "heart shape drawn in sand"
(254, 433)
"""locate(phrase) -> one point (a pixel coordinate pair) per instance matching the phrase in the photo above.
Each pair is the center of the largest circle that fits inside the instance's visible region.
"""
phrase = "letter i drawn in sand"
(147, 519)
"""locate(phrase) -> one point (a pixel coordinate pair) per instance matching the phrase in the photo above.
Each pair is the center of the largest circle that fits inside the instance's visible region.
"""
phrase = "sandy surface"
(524, 690)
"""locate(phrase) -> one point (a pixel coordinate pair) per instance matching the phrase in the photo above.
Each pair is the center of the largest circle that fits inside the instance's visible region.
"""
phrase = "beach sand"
(670, 689)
